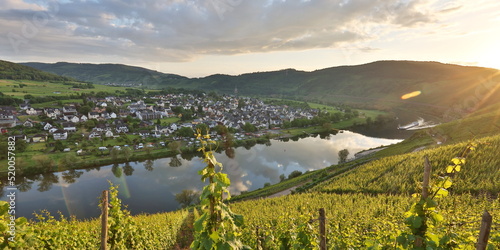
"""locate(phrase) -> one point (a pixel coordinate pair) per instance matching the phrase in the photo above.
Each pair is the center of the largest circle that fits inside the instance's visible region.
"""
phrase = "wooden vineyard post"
(258, 237)
(425, 192)
(104, 220)
(484, 233)
(322, 229)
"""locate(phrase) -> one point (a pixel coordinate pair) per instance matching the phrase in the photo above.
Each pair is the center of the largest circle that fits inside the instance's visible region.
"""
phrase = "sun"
(490, 58)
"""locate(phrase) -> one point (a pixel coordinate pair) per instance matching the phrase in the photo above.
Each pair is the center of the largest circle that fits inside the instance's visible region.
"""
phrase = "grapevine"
(217, 227)
(424, 215)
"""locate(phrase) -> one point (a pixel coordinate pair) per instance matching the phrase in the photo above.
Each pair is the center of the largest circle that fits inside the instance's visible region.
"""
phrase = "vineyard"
(357, 220)
(367, 206)
(402, 174)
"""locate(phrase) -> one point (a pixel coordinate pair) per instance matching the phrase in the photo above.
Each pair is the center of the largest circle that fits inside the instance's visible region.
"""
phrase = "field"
(36, 88)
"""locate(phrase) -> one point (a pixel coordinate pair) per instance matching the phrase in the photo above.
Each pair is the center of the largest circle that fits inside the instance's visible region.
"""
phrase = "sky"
(196, 38)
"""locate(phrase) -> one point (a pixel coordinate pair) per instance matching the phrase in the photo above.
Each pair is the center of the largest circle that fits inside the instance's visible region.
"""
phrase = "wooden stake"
(104, 220)
(322, 229)
(425, 192)
(484, 233)
(427, 176)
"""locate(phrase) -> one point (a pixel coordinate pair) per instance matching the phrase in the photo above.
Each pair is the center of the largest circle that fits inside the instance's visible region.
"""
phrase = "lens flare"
(411, 95)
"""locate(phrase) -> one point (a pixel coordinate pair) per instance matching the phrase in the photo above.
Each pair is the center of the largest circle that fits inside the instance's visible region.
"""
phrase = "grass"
(36, 88)
(55, 104)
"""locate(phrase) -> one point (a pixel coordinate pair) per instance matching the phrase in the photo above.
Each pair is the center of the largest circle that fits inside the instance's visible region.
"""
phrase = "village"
(169, 117)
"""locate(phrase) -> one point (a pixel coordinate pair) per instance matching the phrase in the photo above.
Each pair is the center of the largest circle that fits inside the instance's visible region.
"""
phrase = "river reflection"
(150, 186)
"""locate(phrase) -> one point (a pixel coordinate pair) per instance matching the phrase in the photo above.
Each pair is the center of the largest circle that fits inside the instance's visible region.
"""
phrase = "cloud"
(182, 30)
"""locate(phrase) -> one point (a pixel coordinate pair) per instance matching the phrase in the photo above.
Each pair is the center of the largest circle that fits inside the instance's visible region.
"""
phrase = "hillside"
(14, 71)
(365, 209)
(107, 73)
(446, 91)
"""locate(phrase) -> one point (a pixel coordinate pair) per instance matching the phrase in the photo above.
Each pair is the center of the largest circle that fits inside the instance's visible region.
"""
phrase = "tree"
(175, 162)
(248, 127)
(44, 162)
(282, 177)
(186, 197)
(68, 160)
(21, 146)
(58, 146)
(185, 132)
(90, 124)
(114, 154)
(202, 127)
(126, 152)
(294, 174)
(85, 109)
(343, 155)
(127, 169)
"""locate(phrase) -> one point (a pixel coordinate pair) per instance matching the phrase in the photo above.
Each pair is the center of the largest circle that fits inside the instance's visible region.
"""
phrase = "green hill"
(14, 71)
(445, 89)
(107, 73)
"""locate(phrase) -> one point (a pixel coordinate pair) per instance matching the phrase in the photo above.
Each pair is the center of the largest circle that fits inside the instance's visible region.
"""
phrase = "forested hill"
(14, 71)
(383, 82)
(378, 84)
(107, 73)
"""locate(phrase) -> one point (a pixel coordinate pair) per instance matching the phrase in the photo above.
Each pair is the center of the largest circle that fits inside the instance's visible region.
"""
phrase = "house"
(148, 115)
(32, 111)
(39, 138)
(120, 127)
(60, 134)
(69, 126)
(93, 115)
(94, 134)
(108, 133)
(69, 109)
(28, 124)
(20, 137)
(24, 106)
(47, 126)
(162, 129)
(53, 129)
(83, 118)
(144, 133)
(173, 127)
(52, 112)
(7, 119)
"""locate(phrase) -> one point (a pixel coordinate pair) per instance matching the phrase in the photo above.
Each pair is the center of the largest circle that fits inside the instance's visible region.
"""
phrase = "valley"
(368, 200)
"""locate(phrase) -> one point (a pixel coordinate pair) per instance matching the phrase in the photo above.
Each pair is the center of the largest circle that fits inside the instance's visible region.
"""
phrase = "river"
(150, 186)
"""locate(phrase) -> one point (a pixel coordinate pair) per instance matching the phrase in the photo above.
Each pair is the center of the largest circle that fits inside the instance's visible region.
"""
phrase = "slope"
(107, 73)
(445, 91)
(14, 71)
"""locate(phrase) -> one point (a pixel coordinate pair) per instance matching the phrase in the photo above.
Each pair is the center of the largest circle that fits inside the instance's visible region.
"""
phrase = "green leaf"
(429, 203)
(238, 220)
(214, 236)
(222, 178)
(198, 224)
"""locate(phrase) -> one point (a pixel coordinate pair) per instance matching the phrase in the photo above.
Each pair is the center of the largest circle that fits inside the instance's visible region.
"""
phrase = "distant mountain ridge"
(378, 84)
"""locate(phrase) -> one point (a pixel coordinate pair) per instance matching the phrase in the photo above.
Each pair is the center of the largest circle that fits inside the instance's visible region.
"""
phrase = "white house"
(60, 134)
(31, 111)
(108, 133)
(93, 115)
(47, 126)
(83, 118)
